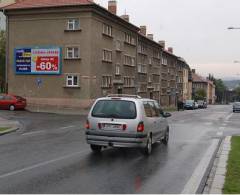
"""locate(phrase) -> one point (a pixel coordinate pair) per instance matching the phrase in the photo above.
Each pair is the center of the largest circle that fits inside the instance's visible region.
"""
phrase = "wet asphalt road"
(49, 155)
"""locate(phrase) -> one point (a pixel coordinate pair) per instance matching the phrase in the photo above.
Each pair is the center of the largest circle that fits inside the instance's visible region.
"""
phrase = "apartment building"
(169, 90)
(183, 80)
(205, 84)
(148, 65)
(68, 53)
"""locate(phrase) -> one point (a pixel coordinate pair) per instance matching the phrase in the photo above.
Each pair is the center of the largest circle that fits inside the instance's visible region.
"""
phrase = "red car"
(12, 102)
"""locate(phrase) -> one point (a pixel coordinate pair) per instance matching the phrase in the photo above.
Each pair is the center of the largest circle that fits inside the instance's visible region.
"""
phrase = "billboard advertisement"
(38, 60)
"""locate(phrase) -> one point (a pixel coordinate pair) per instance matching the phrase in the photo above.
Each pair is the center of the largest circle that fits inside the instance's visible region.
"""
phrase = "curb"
(196, 183)
(220, 168)
(13, 129)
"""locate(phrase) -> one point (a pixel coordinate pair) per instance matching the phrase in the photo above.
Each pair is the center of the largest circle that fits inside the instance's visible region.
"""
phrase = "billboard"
(38, 60)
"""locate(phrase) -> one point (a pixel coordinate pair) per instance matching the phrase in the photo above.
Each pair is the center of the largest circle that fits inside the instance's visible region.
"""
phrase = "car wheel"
(96, 148)
(148, 149)
(166, 137)
(12, 108)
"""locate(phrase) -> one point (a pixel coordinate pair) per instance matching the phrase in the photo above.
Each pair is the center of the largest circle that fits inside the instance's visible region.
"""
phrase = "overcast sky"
(196, 29)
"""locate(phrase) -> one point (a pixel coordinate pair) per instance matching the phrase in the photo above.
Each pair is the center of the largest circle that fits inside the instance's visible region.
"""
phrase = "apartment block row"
(68, 53)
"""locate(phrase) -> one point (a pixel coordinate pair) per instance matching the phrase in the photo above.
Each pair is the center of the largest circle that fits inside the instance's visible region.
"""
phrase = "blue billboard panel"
(38, 60)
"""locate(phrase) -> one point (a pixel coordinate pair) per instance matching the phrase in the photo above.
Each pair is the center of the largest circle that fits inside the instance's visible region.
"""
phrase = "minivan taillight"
(140, 127)
(87, 125)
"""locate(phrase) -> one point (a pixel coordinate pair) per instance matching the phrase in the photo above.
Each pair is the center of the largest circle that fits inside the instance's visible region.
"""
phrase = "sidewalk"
(11, 125)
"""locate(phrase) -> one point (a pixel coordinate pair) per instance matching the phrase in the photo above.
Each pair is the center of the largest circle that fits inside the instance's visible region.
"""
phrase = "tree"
(2, 59)
(200, 94)
(237, 91)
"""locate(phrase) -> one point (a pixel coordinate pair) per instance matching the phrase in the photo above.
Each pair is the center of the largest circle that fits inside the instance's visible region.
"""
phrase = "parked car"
(190, 105)
(236, 106)
(12, 102)
(202, 104)
(126, 121)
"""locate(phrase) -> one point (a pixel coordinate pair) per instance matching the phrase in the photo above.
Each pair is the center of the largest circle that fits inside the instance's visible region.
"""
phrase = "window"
(106, 81)
(128, 60)
(117, 69)
(107, 30)
(118, 45)
(142, 68)
(119, 109)
(129, 81)
(72, 81)
(130, 39)
(73, 53)
(107, 55)
(73, 24)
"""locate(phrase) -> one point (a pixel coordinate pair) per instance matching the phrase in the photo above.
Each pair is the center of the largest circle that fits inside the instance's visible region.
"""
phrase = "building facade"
(67, 54)
(205, 84)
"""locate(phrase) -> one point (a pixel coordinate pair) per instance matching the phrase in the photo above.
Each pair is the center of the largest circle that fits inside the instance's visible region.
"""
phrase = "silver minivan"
(126, 121)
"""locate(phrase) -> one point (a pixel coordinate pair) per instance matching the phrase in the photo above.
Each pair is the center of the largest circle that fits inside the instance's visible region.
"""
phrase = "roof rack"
(124, 95)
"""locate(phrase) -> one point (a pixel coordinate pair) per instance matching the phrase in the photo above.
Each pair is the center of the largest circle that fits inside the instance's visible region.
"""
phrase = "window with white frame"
(117, 69)
(142, 68)
(73, 24)
(106, 81)
(129, 81)
(130, 39)
(118, 45)
(129, 60)
(72, 52)
(107, 55)
(72, 81)
(107, 30)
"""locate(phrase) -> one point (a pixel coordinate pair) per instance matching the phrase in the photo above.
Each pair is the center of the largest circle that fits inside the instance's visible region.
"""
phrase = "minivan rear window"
(119, 109)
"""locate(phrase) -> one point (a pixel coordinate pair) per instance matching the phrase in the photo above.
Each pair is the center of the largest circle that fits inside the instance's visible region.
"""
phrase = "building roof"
(26, 4)
(197, 78)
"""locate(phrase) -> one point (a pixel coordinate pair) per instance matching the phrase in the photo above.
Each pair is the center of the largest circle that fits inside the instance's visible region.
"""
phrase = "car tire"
(11, 107)
(95, 148)
(148, 148)
(166, 137)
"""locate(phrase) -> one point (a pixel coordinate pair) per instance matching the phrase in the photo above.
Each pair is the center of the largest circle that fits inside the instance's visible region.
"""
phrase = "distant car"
(236, 106)
(126, 121)
(195, 105)
(202, 104)
(12, 102)
(190, 105)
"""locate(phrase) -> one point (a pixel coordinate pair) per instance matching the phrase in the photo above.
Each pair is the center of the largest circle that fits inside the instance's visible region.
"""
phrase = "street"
(49, 154)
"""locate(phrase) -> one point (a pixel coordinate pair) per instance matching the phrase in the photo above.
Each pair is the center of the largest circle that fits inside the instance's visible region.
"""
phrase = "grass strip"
(3, 129)
(232, 180)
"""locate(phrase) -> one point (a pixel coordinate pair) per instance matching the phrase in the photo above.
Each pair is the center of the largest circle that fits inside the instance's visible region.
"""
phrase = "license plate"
(111, 126)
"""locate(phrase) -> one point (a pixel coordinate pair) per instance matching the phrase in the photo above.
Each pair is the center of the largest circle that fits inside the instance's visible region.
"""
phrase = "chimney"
(194, 71)
(170, 50)
(125, 17)
(143, 30)
(150, 36)
(112, 6)
(162, 43)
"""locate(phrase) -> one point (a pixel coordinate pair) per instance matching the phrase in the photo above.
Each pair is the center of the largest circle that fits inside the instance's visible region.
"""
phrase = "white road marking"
(220, 133)
(193, 183)
(41, 164)
(229, 116)
(68, 127)
(208, 123)
(224, 124)
(221, 128)
(34, 132)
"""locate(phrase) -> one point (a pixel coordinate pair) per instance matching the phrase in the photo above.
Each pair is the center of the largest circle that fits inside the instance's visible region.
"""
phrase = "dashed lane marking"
(68, 127)
(229, 116)
(41, 164)
(33, 133)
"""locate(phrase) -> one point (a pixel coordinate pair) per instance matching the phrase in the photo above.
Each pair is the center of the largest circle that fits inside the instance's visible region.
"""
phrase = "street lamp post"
(233, 28)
